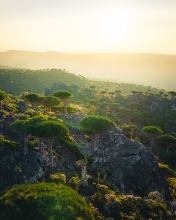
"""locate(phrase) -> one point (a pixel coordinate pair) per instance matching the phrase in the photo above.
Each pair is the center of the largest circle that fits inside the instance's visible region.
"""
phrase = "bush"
(74, 182)
(172, 187)
(167, 171)
(132, 207)
(73, 147)
(143, 137)
(10, 108)
(70, 109)
(57, 178)
(32, 144)
(42, 201)
(9, 144)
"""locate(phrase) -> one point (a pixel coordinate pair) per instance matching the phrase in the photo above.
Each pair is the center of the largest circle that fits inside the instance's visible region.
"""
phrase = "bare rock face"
(129, 165)
(15, 168)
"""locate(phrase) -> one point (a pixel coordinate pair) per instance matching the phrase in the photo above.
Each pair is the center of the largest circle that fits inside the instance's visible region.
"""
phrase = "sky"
(89, 26)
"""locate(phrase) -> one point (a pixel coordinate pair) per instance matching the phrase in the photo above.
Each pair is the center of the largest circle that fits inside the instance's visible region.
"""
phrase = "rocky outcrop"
(15, 168)
(128, 165)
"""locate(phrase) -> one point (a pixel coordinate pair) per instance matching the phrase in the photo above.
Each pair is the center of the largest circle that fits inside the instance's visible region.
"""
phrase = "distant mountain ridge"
(149, 69)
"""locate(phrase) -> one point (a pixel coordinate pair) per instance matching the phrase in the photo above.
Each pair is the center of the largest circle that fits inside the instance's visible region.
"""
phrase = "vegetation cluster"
(143, 114)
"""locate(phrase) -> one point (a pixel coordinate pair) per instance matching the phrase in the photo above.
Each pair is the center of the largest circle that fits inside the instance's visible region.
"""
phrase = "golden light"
(113, 26)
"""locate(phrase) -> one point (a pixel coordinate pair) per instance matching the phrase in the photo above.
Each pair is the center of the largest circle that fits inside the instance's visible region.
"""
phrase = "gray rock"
(129, 165)
(15, 168)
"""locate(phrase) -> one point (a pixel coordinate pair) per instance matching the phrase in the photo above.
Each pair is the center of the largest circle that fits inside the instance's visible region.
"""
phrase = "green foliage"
(17, 81)
(92, 101)
(167, 139)
(42, 201)
(132, 207)
(51, 101)
(172, 186)
(96, 124)
(131, 126)
(172, 134)
(136, 116)
(57, 178)
(9, 144)
(31, 113)
(20, 125)
(63, 95)
(3, 95)
(167, 171)
(32, 144)
(32, 97)
(73, 147)
(33, 122)
(153, 122)
(125, 128)
(11, 108)
(56, 154)
(134, 105)
(74, 182)
(51, 130)
(152, 130)
(70, 109)
(121, 115)
(147, 114)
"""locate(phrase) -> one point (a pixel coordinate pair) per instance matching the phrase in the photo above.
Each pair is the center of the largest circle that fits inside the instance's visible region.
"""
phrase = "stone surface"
(128, 165)
(15, 168)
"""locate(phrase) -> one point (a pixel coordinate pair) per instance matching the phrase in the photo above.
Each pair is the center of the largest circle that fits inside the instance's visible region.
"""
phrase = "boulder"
(129, 165)
(16, 169)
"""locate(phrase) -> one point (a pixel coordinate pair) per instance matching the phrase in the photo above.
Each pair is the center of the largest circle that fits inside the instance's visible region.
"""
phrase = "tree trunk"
(151, 145)
(96, 143)
(0, 105)
(50, 153)
(167, 150)
(131, 134)
(65, 107)
(84, 174)
(25, 144)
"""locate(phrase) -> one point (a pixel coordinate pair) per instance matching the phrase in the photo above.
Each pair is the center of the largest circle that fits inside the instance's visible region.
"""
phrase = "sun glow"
(113, 26)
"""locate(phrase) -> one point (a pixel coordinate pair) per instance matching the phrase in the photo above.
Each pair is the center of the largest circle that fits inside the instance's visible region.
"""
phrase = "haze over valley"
(157, 70)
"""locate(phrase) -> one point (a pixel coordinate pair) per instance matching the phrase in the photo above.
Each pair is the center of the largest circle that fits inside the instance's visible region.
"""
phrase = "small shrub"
(73, 147)
(56, 154)
(57, 178)
(167, 171)
(172, 186)
(70, 109)
(74, 182)
(9, 144)
(32, 144)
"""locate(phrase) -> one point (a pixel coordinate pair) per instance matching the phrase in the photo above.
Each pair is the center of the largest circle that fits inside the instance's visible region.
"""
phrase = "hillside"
(16, 81)
(149, 69)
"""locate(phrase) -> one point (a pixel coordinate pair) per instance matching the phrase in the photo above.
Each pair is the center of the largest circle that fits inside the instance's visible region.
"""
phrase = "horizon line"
(89, 53)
